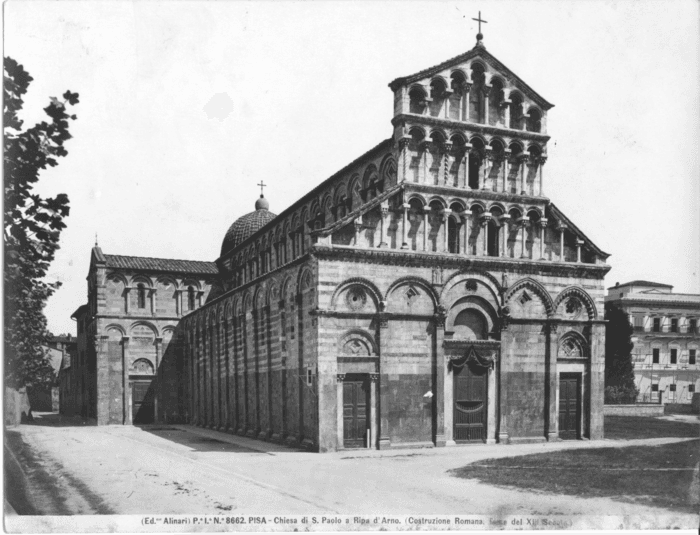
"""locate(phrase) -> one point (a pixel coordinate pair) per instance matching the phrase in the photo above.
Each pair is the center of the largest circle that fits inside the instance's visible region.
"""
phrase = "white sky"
(154, 175)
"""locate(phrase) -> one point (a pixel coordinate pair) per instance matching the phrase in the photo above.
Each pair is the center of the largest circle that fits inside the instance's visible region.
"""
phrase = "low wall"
(638, 409)
(17, 408)
(681, 408)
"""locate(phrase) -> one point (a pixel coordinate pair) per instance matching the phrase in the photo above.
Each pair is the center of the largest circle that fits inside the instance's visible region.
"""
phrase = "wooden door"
(141, 402)
(470, 402)
(355, 412)
(569, 403)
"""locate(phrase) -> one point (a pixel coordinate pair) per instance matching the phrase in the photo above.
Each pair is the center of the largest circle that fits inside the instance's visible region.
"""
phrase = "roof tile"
(161, 264)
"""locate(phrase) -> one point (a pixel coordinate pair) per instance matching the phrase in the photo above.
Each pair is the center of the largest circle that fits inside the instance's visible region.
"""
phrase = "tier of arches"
(477, 95)
(162, 295)
(457, 159)
(418, 296)
(289, 238)
(437, 223)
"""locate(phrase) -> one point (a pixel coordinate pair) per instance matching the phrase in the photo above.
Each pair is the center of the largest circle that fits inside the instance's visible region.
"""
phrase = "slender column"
(383, 434)
(467, 155)
(483, 174)
(579, 243)
(506, 112)
(373, 395)
(522, 162)
(506, 169)
(156, 379)
(503, 220)
(358, 228)
(524, 224)
(403, 148)
(446, 149)
(541, 161)
(127, 305)
(487, 90)
(178, 303)
(404, 243)
(561, 227)
(125, 381)
(485, 231)
(340, 378)
(426, 213)
(466, 214)
(439, 393)
(491, 418)
(543, 228)
(384, 225)
(446, 217)
(152, 295)
(551, 382)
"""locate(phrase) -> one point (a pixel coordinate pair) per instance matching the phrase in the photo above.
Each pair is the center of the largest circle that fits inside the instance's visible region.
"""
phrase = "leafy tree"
(619, 369)
(33, 226)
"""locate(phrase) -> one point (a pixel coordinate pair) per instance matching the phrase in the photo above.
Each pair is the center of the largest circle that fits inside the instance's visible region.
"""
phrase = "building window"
(190, 298)
(655, 387)
(657, 325)
(655, 355)
(691, 356)
(674, 325)
(693, 325)
(673, 387)
(691, 388)
(674, 356)
(639, 323)
(141, 296)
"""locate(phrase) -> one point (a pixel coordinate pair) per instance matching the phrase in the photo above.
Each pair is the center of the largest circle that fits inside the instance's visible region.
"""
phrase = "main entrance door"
(470, 401)
(355, 411)
(141, 402)
(569, 414)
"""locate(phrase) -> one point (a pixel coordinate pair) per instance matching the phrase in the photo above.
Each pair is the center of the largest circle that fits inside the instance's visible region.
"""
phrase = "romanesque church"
(427, 294)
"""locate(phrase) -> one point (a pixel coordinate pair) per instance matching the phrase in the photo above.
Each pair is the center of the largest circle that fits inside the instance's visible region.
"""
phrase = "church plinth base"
(503, 438)
(440, 441)
(449, 443)
(384, 444)
(552, 437)
(490, 441)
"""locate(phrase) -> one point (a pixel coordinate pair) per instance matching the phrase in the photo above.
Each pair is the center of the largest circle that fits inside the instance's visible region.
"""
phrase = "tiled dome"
(247, 225)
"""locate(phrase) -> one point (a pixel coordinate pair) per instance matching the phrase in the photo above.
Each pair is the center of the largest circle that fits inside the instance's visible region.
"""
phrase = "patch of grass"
(631, 427)
(652, 475)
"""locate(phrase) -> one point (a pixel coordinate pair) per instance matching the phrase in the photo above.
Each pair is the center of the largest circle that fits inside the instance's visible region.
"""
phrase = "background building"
(125, 330)
(666, 339)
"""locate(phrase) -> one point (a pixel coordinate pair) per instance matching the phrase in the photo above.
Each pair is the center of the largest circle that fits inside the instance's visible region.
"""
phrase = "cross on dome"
(262, 185)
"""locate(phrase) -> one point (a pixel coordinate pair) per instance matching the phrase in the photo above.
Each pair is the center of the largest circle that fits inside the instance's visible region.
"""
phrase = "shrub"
(620, 395)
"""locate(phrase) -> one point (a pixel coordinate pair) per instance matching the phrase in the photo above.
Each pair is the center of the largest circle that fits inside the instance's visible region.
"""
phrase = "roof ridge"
(159, 258)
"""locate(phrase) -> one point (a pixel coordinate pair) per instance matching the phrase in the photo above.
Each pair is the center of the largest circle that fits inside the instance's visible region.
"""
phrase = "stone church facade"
(427, 294)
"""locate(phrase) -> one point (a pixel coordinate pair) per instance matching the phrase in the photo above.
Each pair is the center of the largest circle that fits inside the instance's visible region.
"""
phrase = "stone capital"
(340, 377)
(406, 206)
(543, 222)
(404, 141)
(562, 226)
(374, 377)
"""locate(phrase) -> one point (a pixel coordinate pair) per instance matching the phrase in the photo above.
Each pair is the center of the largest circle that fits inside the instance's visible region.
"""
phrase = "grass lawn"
(629, 427)
(653, 475)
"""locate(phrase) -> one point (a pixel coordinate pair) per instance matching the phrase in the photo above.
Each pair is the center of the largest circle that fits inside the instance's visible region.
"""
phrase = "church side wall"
(250, 360)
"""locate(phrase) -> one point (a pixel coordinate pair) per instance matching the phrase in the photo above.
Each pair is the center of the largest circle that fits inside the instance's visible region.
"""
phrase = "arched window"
(534, 121)
(475, 163)
(458, 85)
(493, 240)
(495, 101)
(516, 112)
(190, 298)
(437, 94)
(476, 95)
(417, 100)
(452, 235)
(141, 289)
(471, 325)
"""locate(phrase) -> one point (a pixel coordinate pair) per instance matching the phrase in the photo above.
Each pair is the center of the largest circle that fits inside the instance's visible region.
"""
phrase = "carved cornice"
(465, 127)
(422, 259)
(452, 191)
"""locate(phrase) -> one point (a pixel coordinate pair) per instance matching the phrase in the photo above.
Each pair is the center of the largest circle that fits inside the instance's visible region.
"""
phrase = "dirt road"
(181, 470)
